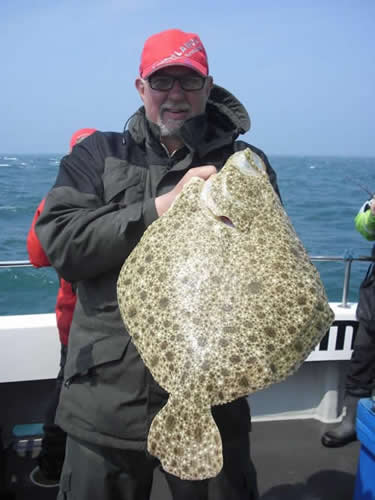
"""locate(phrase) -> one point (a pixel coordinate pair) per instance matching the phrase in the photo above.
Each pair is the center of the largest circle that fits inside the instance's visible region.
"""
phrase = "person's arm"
(37, 256)
(82, 235)
(365, 220)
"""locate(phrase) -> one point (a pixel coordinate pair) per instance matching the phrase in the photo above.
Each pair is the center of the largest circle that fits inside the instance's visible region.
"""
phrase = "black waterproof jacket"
(101, 203)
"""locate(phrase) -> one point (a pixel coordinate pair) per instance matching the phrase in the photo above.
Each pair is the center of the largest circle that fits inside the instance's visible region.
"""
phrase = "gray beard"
(169, 131)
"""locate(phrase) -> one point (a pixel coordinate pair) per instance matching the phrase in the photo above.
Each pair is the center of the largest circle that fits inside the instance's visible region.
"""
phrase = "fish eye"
(249, 163)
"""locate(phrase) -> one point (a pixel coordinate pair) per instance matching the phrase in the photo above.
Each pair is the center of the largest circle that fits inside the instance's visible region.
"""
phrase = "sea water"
(321, 194)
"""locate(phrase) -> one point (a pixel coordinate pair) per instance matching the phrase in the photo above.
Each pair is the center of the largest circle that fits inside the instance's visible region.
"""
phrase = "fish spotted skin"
(218, 309)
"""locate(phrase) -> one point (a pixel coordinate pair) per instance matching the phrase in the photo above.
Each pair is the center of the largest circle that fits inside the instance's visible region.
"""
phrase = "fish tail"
(186, 440)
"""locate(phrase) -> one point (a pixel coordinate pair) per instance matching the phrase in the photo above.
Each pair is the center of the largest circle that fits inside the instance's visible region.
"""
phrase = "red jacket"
(66, 298)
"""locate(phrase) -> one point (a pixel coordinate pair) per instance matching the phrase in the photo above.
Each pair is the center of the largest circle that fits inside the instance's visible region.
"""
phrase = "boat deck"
(291, 464)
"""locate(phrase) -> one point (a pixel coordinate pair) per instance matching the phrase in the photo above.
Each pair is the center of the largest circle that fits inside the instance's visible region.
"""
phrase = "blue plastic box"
(365, 481)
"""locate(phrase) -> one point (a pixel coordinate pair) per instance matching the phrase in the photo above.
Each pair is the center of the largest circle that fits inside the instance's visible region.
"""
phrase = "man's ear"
(140, 86)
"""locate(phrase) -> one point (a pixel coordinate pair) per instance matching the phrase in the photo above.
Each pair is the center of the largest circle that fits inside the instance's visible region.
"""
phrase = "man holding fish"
(108, 191)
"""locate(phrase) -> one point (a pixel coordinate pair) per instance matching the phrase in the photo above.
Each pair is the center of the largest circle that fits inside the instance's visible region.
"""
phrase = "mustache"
(175, 107)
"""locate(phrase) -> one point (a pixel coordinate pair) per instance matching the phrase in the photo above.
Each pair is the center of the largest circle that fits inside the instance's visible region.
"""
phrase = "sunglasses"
(163, 83)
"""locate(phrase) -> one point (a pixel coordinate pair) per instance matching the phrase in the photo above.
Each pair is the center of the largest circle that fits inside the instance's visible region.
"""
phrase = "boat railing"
(15, 263)
(336, 345)
(346, 260)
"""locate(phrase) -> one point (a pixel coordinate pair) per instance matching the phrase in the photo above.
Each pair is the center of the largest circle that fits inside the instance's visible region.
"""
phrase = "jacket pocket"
(103, 352)
(105, 392)
(122, 182)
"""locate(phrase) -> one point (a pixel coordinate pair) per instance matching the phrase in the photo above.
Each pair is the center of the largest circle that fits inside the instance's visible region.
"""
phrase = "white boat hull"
(30, 350)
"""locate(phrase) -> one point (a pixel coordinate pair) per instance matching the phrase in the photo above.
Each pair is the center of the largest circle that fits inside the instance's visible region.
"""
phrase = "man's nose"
(176, 90)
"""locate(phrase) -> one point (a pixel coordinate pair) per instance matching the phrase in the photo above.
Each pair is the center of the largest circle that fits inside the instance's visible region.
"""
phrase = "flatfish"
(221, 300)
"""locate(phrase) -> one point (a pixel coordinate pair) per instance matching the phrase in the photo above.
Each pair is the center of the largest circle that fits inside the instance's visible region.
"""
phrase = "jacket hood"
(224, 120)
(223, 103)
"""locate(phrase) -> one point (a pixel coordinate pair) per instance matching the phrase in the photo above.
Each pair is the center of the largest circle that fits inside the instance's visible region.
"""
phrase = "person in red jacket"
(51, 457)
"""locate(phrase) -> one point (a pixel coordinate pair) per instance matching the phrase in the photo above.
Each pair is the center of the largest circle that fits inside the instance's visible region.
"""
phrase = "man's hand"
(372, 206)
(163, 202)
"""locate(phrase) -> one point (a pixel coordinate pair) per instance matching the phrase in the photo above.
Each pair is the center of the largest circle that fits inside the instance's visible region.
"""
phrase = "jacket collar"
(224, 120)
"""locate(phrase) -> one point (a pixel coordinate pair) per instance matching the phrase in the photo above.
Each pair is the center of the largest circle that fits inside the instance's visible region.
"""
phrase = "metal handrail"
(15, 263)
(314, 258)
(348, 266)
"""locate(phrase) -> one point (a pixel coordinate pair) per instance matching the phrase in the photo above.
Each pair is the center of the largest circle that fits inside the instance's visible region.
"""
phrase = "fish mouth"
(226, 220)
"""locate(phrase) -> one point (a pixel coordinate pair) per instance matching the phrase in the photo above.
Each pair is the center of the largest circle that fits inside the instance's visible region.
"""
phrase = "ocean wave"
(312, 200)
(8, 207)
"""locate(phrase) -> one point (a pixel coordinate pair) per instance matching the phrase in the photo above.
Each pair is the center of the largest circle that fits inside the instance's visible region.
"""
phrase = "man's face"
(169, 109)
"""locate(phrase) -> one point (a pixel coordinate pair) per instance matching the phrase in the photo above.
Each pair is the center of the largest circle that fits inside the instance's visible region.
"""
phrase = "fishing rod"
(350, 178)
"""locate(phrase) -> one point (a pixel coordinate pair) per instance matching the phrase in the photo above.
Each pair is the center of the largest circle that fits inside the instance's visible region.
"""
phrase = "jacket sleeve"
(37, 256)
(82, 235)
(365, 222)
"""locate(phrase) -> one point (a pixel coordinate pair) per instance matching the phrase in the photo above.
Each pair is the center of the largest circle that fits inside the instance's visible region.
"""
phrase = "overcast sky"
(304, 69)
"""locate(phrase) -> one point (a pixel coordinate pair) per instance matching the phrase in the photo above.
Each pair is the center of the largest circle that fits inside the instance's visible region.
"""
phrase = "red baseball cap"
(173, 48)
(79, 135)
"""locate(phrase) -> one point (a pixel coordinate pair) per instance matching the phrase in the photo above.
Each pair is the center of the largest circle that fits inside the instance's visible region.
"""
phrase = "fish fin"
(186, 440)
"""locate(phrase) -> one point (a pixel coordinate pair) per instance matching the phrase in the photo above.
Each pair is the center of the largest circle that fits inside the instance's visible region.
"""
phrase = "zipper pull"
(68, 382)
